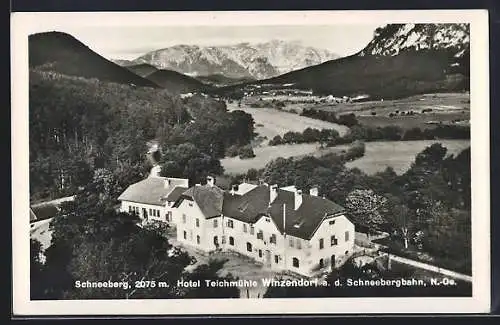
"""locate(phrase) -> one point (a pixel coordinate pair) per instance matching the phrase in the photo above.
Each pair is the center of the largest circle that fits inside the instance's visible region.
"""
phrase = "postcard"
(250, 163)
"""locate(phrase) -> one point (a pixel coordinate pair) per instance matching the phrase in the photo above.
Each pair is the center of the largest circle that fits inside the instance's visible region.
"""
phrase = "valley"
(446, 108)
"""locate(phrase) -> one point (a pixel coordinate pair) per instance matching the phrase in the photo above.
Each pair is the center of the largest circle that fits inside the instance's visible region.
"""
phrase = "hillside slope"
(62, 53)
(177, 82)
(142, 70)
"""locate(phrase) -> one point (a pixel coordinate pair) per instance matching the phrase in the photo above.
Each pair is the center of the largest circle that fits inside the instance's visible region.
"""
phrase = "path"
(429, 267)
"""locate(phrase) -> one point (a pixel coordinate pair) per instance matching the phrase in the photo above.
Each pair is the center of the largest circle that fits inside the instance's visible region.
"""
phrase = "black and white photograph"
(250, 162)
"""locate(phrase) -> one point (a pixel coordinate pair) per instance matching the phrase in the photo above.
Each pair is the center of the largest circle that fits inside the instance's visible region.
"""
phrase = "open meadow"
(399, 154)
(426, 109)
(270, 122)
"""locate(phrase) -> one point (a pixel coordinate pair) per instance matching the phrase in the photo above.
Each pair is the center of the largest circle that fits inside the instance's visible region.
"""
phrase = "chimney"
(167, 182)
(210, 181)
(298, 199)
(273, 193)
(313, 191)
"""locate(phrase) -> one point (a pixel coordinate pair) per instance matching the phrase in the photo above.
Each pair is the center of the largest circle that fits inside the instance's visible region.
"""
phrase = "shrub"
(246, 152)
(277, 140)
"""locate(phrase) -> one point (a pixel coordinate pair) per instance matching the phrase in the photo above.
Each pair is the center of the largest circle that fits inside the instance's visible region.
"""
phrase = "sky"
(130, 42)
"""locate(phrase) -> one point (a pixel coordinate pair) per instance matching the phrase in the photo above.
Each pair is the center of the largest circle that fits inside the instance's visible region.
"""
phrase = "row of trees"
(309, 135)
(348, 120)
(331, 137)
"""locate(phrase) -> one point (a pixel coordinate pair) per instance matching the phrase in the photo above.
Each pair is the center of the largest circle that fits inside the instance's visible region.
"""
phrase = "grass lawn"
(399, 154)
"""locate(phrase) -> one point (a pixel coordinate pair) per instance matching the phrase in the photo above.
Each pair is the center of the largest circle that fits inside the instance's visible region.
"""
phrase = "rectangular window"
(276, 259)
(347, 236)
(185, 234)
(158, 213)
(183, 218)
(272, 239)
(333, 241)
(332, 222)
(197, 222)
(299, 244)
(252, 230)
(244, 227)
(230, 224)
(268, 220)
(321, 243)
(260, 252)
(150, 212)
(291, 242)
(215, 223)
(260, 235)
(129, 209)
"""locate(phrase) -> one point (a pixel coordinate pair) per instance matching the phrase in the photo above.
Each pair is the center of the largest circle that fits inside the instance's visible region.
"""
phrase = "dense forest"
(79, 125)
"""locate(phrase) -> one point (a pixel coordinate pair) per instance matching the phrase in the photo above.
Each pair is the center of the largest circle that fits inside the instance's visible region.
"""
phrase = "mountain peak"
(393, 39)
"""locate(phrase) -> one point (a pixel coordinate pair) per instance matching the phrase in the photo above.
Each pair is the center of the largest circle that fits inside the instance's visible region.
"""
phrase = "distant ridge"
(243, 60)
(62, 53)
(177, 82)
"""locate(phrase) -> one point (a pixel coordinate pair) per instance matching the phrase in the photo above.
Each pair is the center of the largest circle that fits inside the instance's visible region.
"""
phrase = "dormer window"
(331, 222)
(268, 220)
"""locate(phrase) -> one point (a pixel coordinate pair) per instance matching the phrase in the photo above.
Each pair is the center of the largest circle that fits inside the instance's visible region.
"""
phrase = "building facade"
(282, 228)
(152, 199)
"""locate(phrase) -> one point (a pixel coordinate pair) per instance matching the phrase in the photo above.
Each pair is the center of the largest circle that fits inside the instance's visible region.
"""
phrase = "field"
(446, 108)
(399, 154)
(265, 154)
(270, 122)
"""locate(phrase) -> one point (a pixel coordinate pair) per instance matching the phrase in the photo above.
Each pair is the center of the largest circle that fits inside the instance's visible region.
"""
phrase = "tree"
(186, 160)
(401, 219)
(366, 208)
(37, 290)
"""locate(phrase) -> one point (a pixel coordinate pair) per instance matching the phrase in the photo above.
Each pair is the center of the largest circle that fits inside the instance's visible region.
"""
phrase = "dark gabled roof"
(151, 190)
(176, 193)
(252, 205)
(208, 198)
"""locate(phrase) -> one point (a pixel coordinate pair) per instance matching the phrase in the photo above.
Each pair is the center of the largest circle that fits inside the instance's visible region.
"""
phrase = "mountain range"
(243, 60)
(401, 60)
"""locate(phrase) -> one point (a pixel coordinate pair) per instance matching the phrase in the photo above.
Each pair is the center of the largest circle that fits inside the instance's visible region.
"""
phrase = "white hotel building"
(282, 228)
